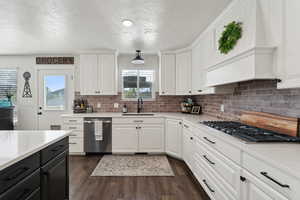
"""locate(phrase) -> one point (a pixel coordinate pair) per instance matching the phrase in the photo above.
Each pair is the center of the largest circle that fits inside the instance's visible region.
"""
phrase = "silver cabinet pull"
(72, 143)
(72, 128)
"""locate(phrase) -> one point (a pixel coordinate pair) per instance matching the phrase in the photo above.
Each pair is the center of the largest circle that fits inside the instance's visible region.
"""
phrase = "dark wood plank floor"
(84, 187)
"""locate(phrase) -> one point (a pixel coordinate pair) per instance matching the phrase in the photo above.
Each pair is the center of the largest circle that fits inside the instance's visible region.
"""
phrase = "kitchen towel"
(98, 127)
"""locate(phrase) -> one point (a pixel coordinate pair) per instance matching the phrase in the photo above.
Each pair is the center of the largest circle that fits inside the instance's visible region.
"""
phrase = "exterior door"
(55, 97)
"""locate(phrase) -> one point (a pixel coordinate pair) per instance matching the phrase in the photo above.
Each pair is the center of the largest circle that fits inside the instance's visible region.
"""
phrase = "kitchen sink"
(138, 114)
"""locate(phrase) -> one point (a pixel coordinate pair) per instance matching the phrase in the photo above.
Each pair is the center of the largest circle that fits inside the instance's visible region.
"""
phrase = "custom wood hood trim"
(251, 51)
(277, 123)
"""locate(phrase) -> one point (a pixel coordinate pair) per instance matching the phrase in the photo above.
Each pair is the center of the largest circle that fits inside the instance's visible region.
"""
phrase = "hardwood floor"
(84, 187)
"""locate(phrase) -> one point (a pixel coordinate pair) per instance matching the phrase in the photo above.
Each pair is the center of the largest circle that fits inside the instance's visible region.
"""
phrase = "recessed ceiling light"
(127, 23)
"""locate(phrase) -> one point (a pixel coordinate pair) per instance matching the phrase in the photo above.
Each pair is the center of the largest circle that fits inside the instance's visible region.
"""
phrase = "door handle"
(39, 113)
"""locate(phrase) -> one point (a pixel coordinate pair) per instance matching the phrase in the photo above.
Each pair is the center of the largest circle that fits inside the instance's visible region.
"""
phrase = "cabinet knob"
(190, 91)
(199, 90)
(180, 123)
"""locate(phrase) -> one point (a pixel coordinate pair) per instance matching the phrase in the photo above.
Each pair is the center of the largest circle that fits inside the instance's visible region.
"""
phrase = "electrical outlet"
(222, 108)
(116, 105)
(98, 105)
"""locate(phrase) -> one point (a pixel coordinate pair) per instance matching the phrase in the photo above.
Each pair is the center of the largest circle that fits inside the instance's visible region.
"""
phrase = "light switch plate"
(116, 105)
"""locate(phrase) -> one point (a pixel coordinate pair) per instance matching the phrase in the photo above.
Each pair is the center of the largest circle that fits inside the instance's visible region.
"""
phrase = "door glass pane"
(130, 86)
(145, 83)
(55, 86)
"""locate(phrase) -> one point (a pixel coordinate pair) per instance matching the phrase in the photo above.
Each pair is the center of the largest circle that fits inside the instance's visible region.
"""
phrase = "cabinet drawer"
(78, 134)
(210, 184)
(226, 171)
(73, 127)
(76, 145)
(13, 174)
(54, 150)
(141, 120)
(23, 189)
(275, 178)
(223, 147)
(73, 120)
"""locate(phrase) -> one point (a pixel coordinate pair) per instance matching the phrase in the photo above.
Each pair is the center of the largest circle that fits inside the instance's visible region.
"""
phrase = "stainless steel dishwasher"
(96, 140)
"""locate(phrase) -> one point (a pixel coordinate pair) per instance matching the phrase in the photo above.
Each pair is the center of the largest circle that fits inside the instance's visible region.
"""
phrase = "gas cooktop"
(249, 133)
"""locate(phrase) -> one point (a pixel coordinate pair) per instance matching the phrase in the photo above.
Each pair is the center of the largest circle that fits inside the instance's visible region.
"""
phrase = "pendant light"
(138, 60)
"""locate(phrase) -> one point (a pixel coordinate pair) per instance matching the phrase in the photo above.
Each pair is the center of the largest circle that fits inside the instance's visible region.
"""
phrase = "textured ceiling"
(70, 26)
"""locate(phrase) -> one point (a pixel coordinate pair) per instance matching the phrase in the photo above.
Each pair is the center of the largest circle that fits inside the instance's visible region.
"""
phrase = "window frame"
(123, 98)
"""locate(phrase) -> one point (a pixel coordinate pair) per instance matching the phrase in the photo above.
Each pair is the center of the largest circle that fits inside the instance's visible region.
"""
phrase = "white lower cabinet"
(151, 138)
(125, 138)
(223, 169)
(76, 136)
(188, 145)
(138, 135)
(255, 189)
(173, 137)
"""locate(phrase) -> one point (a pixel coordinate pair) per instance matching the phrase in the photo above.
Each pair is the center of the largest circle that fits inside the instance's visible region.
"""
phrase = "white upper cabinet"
(88, 75)
(288, 64)
(184, 73)
(167, 74)
(98, 75)
(107, 74)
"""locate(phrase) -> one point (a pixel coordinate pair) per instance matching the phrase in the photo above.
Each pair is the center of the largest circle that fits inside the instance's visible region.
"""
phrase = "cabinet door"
(254, 189)
(188, 146)
(88, 75)
(184, 73)
(173, 137)
(151, 138)
(289, 70)
(54, 183)
(124, 138)
(168, 74)
(107, 74)
(198, 71)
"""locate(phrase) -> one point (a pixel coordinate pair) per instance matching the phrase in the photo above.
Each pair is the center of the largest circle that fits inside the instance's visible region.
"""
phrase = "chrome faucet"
(140, 104)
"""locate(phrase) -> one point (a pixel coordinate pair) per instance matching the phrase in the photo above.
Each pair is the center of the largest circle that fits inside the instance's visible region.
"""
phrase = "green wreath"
(230, 36)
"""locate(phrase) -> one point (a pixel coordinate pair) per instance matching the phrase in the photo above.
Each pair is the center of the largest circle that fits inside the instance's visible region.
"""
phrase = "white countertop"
(17, 145)
(284, 156)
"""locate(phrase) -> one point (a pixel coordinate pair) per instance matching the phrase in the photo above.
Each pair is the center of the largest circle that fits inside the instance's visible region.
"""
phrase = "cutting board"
(277, 123)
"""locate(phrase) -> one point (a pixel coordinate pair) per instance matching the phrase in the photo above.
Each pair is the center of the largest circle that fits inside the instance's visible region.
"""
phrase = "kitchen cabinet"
(151, 138)
(54, 180)
(184, 73)
(255, 189)
(167, 74)
(188, 145)
(76, 137)
(43, 175)
(88, 74)
(131, 135)
(288, 67)
(98, 74)
(173, 129)
(124, 138)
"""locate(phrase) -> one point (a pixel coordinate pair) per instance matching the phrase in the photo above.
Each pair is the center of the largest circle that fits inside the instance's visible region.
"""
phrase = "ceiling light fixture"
(127, 23)
(138, 60)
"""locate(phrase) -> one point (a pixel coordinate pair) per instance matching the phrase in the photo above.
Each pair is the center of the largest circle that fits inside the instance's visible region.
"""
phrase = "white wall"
(27, 107)
(151, 62)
